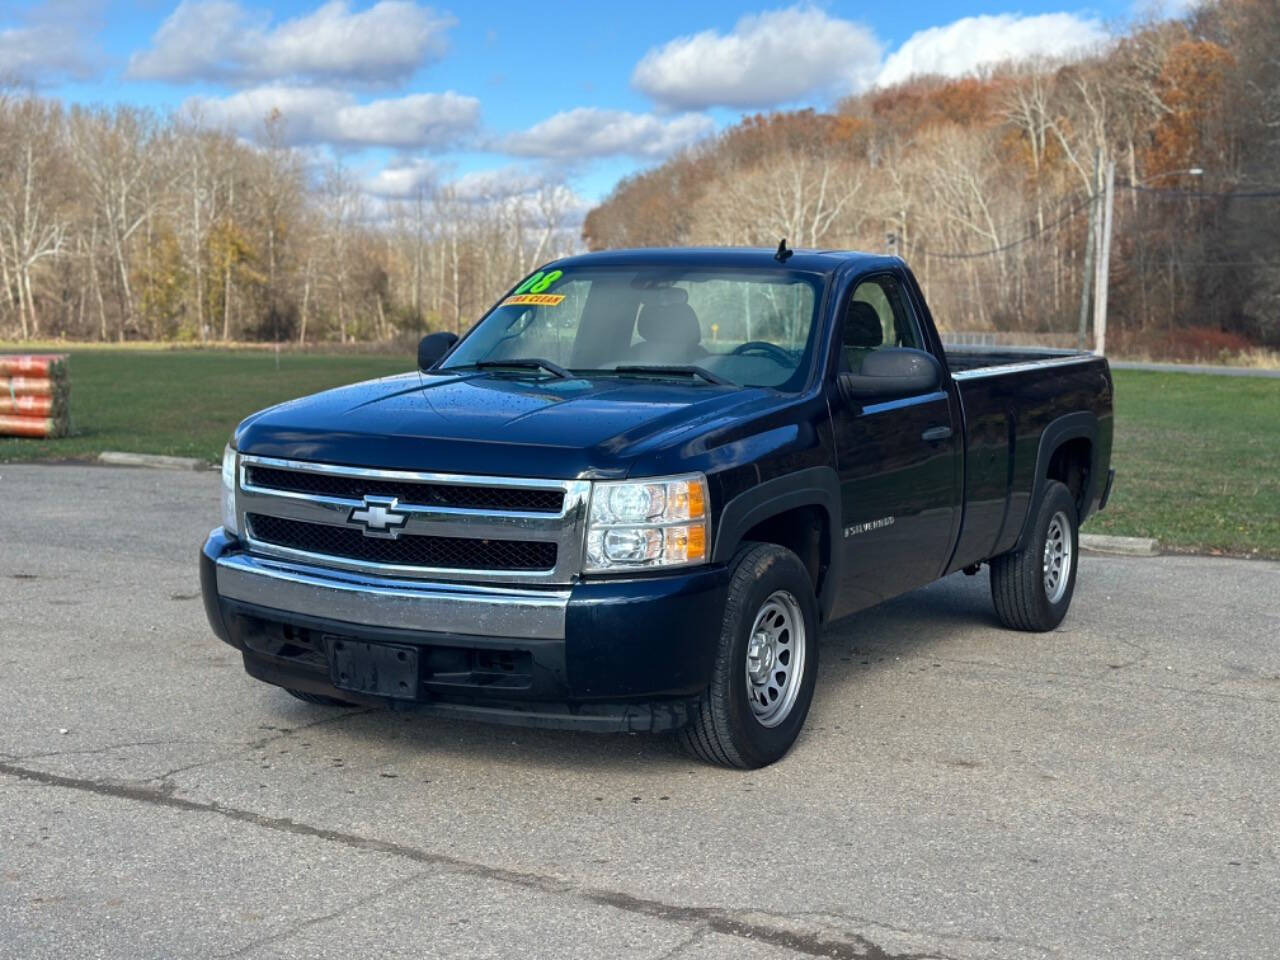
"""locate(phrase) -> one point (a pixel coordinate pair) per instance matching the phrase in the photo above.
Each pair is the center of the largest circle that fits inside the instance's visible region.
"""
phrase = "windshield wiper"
(682, 370)
(527, 363)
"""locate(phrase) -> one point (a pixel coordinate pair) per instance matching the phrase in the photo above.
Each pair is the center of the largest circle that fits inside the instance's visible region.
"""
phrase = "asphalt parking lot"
(961, 791)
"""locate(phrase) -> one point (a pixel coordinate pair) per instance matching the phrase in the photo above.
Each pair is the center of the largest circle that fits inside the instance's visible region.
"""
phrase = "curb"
(1120, 546)
(161, 461)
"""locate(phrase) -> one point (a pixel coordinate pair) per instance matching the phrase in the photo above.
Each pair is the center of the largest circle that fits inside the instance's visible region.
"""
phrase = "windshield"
(741, 327)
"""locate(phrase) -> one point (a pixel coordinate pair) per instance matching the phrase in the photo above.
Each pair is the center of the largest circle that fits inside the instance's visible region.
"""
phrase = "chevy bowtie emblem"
(379, 517)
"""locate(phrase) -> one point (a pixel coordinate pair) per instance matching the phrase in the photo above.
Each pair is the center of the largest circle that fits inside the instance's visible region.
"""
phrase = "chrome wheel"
(775, 658)
(1057, 557)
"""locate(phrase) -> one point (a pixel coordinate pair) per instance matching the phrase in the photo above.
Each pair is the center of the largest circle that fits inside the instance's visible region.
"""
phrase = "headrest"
(862, 326)
(674, 323)
(666, 296)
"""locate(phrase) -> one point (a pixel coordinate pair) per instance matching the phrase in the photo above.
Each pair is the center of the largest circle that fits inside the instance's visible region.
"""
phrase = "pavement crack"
(756, 926)
(741, 924)
(1100, 680)
(684, 944)
(164, 778)
(864, 922)
(282, 733)
(94, 751)
(346, 908)
(235, 749)
(1143, 655)
(285, 732)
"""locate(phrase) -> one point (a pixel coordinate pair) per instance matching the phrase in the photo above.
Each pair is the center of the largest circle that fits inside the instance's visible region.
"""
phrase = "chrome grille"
(520, 499)
(454, 527)
(455, 553)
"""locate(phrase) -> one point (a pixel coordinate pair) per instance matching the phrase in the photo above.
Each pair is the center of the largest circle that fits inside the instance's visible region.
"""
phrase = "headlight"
(647, 523)
(229, 490)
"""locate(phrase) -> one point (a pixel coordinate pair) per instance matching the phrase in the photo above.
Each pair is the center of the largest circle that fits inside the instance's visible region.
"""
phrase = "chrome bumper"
(449, 608)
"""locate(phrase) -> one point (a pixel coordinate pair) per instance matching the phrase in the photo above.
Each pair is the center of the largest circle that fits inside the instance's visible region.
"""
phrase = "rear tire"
(766, 664)
(1032, 587)
(318, 698)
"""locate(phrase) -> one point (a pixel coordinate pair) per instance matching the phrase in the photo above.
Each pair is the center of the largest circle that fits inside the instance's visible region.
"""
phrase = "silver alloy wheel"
(1057, 557)
(775, 658)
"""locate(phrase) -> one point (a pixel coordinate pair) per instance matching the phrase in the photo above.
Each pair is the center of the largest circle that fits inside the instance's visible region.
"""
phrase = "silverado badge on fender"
(379, 517)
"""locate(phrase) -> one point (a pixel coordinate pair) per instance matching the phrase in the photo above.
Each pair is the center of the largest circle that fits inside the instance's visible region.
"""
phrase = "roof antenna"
(783, 254)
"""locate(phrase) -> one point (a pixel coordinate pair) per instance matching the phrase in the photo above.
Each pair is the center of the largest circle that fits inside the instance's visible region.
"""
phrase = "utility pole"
(1090, 245)
(1104, 264)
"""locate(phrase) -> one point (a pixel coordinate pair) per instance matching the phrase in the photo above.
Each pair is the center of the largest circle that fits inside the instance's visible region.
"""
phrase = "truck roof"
(753, 258)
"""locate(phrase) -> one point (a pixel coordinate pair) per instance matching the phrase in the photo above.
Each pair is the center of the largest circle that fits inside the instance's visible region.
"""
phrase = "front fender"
(811, 487)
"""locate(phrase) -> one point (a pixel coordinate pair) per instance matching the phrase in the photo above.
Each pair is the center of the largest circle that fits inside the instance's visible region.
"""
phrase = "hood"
(501, 425)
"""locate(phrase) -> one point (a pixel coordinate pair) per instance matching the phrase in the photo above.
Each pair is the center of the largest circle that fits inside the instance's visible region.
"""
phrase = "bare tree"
(33, 226)
(114, 153)
(342, 201)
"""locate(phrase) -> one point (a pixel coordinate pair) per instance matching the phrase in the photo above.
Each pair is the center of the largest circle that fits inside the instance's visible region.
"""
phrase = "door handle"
(934, 434)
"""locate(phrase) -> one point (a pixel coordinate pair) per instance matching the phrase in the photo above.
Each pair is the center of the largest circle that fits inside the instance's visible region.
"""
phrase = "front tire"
(766, 664)
(1032, 587)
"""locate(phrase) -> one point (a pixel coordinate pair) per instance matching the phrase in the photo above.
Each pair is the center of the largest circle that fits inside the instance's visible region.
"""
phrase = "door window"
(877, 316)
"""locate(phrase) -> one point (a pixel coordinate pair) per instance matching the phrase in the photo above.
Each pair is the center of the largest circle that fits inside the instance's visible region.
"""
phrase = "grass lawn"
(1197, 456)
(1197, 461)
(185, 402)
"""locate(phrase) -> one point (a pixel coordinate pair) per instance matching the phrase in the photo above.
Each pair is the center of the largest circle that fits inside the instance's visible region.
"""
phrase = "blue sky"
(503, 93)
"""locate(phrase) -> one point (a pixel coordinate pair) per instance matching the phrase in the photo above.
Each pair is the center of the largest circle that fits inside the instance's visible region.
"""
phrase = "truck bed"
(1010, 396)
(965, 359)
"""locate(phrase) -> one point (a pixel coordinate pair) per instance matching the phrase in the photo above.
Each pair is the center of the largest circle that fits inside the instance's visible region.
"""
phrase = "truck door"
(897, 460)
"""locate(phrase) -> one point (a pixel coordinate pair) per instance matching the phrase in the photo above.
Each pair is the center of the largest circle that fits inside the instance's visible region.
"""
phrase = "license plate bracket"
(376, 669)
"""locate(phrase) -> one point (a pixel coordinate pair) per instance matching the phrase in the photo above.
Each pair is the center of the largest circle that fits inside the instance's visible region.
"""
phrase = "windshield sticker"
(538, 283)
(534, 300)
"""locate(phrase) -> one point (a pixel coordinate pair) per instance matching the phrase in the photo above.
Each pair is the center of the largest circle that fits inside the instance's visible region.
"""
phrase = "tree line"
(124, 223)
(986, 185)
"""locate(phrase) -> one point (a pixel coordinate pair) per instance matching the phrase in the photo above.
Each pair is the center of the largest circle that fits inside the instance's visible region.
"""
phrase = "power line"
(1205, 194)
(1216, 263)
(1039, 231)
(923, 250)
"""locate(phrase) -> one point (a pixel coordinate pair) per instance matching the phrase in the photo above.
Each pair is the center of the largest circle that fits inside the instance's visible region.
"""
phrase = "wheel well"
(802, 530)
(1070, 464)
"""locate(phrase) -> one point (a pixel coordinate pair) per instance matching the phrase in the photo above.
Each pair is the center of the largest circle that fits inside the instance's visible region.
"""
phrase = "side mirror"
(889, 374)
(433, 347)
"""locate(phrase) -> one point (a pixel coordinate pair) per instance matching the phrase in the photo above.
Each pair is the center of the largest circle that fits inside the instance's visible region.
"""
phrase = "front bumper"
(601, 655)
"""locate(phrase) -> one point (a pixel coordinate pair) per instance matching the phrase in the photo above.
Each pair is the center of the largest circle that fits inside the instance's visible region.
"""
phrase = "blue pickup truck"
(631, 495)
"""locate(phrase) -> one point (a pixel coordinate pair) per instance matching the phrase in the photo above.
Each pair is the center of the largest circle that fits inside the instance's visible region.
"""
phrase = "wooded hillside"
(986, 185)
(122, 223)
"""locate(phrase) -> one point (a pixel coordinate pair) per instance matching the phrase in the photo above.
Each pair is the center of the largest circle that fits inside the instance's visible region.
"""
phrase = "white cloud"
(418, 120)
(223, 42)
(767, 59)
(1164, 9)
(508, 181)
(539, 194)
(960, 47)
(403, 178)
(540, 198)
(592, 132)
(431, 121)
(50, 42)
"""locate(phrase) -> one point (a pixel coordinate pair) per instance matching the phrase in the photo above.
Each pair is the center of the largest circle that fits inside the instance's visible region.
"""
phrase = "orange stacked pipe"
(26, 386)
(45, 366)
(29, 426)
(35, 393)
(26, 406)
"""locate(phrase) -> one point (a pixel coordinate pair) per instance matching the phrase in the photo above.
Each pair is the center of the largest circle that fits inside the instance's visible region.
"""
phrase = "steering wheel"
(771, 350)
